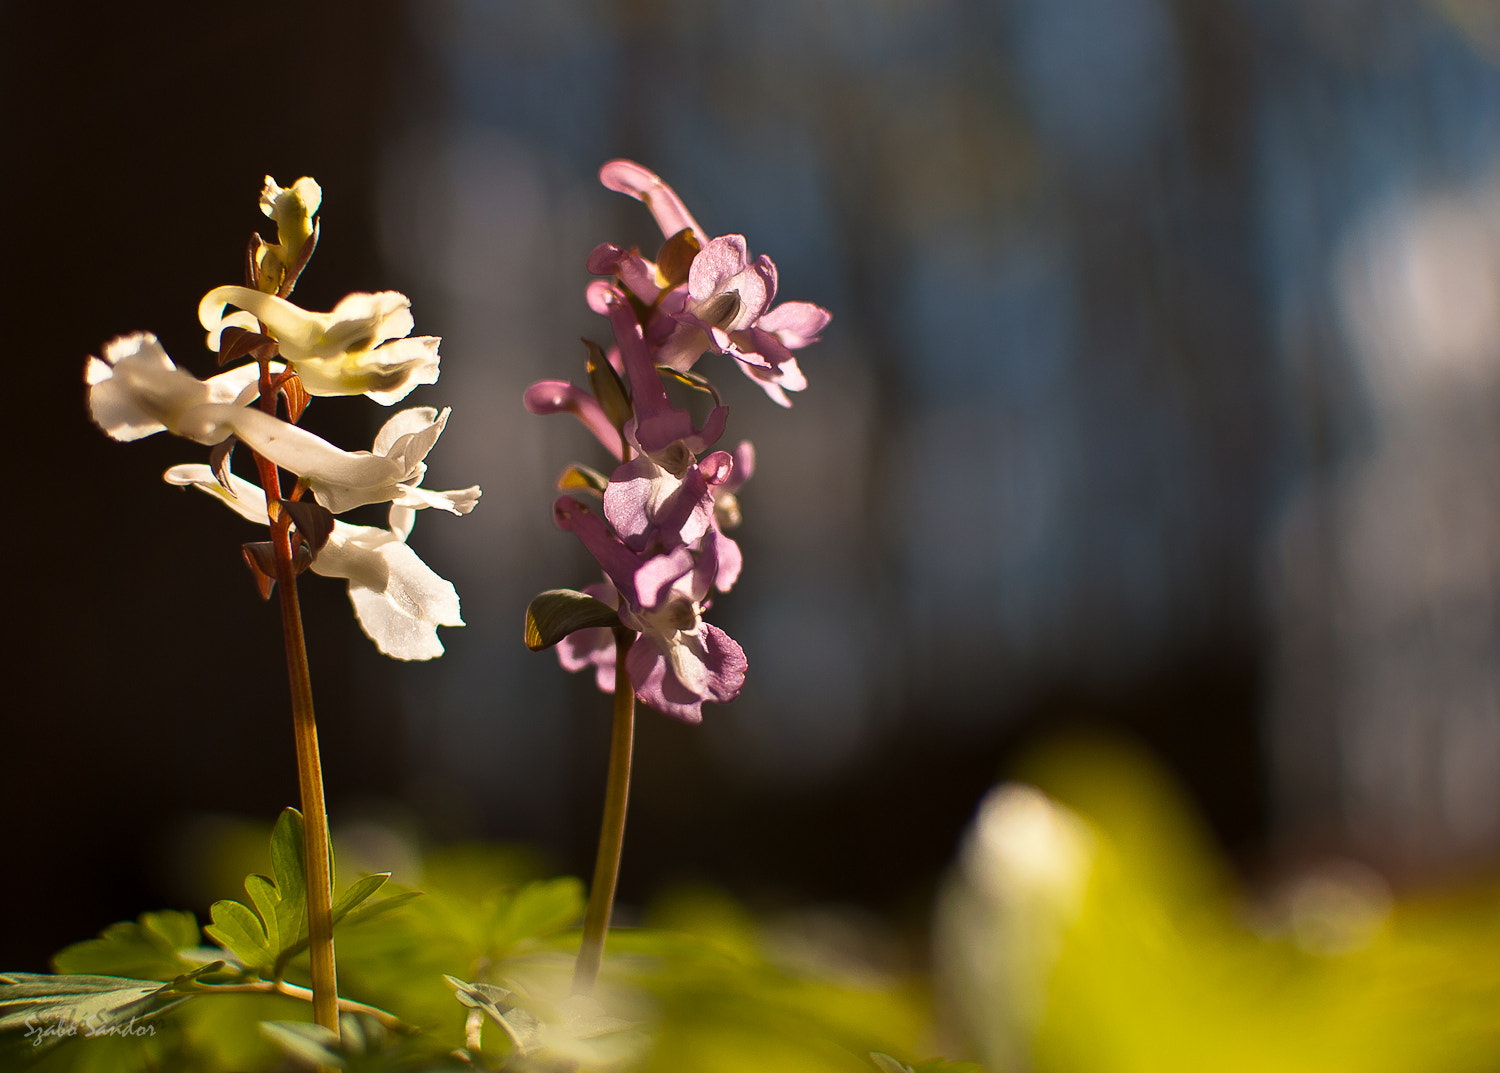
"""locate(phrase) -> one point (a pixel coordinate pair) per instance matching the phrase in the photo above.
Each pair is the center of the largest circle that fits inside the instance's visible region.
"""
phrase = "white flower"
(342, 480)
(360, 348)
(136, 391)
(399, 601)
(293, 209)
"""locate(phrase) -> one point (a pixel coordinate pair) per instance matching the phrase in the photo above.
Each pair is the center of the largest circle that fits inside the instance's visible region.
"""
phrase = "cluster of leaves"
(112, 991)
(472, 973)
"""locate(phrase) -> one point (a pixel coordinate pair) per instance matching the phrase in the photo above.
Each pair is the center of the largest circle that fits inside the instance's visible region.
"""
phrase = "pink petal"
(628, 177)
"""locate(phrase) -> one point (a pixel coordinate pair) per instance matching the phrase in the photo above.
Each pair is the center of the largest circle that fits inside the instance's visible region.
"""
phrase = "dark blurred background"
(1162, 397)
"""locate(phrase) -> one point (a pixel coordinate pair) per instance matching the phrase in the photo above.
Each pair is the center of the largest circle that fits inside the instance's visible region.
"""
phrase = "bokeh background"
(1162, 398)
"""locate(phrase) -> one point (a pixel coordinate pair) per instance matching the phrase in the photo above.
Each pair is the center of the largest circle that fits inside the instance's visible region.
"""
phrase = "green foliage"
(362, 1045)
(156, 946)
(38, 1011)
(574, 1030)
(267, 937)
(485, 913)
(1096, 931)
(886, 1064)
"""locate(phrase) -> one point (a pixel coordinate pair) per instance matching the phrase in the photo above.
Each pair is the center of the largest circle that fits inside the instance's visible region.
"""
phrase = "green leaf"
(580, 478)
(521, 1026)
(608, 388)
(696, 381)
(375, 909)
(291, 879)
(275, 931)
(150, 948)
(359, 1035)
(265, 899)
(541, 908)
(38, 1011)
(359, 891)
(558, 612)
(309, 1043)
(239, 931)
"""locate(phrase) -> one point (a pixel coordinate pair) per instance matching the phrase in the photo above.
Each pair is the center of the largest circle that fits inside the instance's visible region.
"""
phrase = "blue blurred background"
(1162, 397)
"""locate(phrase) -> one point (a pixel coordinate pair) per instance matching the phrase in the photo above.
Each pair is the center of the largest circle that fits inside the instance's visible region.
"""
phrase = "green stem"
(612, 830)
(281, 987)
(310, 782)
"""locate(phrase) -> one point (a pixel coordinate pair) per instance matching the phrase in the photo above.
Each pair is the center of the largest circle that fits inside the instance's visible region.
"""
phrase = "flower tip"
(627, 177)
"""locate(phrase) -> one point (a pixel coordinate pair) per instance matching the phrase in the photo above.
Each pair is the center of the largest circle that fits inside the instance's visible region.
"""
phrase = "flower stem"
(612, 830)
(315, 849)
(310, 782)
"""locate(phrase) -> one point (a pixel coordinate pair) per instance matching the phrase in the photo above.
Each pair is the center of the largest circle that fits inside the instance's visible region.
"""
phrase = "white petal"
(305, 190)
(336, 353)
(409, 448)
(399, 601)
(248, 501)
(404, 423)
(358, 323)
(234, 320)
(239, 385)
(458, 501)
(136, 391)
(401, 521)
(386, 374)
(340, 480)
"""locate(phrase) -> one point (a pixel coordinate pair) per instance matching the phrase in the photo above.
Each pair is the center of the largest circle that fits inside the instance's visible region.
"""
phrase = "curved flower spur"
(658, 527)
(362, 347)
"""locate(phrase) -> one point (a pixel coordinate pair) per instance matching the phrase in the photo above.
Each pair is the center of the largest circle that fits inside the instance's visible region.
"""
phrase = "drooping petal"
(456, 501)
(628, 177)
(242, 497)
(386, 374)
(399, 600)
(340, 480)
(135, 390)
(557, 396)
(637, 273)
(655, 582)
(796, 324)
(619, 562)
(731, 562)
(720, 669)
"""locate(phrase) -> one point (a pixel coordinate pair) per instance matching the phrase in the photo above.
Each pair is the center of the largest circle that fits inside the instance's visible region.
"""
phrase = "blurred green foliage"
(1159, 963)
(1090, 928)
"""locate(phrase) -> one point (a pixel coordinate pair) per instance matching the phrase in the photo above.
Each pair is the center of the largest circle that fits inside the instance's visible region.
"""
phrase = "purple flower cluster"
(658, 530)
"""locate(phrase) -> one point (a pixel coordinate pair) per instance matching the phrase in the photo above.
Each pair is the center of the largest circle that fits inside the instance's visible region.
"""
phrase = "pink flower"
(724, 306)
(678, 661)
